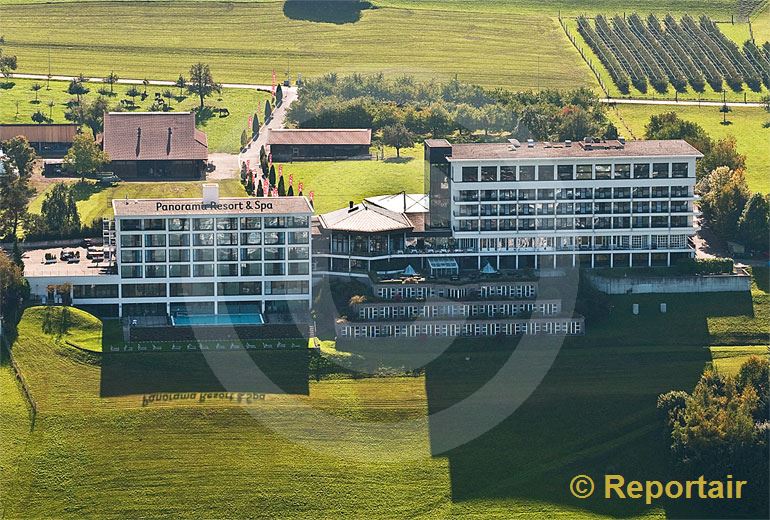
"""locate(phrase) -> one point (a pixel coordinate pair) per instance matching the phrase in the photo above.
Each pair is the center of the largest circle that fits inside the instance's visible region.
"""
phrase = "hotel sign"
(241, 205)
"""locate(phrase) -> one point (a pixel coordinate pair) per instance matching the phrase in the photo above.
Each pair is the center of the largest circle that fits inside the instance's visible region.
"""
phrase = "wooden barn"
(155, 145)
(319, 144)
(47, 140)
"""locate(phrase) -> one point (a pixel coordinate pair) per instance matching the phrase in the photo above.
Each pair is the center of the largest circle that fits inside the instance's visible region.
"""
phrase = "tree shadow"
(86, 190)
(7, 85)
(326, 11)
(398, 160)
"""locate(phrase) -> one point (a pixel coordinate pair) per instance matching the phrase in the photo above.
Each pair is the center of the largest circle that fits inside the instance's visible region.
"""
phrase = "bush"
(706, 266)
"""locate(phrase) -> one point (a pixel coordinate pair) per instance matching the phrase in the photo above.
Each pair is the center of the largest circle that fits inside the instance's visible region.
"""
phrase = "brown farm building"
(155, 145)
(47, 140)
(318, 144)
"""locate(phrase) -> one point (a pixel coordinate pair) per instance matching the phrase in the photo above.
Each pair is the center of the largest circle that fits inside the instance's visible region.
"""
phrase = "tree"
(13, 287)
(59, 214)
(439, 120)
(281, 187)
(753, 226)
(133, 93)
(755, 372)
(723, 152)
(51, 104)
(724, 195)
(260, 192)
(268, 111)
(111, 79)
(180, 83)
(290, 191)
(36, 88)
(8, 64)
(146, 83)
(84, 156)
(244, 139)
(202, 82)
(168, 95)
(398, 137)
(249, 184)
(78, 89)
(255, 125)
(278, 95)
(92, 114)
(271, 175)
(39, 117)
(15, 191)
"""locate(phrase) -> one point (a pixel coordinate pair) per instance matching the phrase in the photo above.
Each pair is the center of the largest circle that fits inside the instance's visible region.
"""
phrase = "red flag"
(300, 186)
(265, 186)
(312, 195)
(273, 88)
(280, 170)
(270, 159)
(291, 179)
(250, 121)
(248, 164)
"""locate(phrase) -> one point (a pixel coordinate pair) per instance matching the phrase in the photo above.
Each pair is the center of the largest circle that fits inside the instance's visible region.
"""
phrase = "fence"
(24, 390)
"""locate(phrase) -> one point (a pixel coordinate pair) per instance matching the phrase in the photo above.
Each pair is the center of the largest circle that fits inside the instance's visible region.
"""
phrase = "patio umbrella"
(409, 271)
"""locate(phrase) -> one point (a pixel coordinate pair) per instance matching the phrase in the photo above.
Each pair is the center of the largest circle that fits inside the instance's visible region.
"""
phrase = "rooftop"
(577, 150)
(401, 202)
(35, 133)
(153, 136)
(365, 218)
(223, 206)
(322, 136)
(35, 266)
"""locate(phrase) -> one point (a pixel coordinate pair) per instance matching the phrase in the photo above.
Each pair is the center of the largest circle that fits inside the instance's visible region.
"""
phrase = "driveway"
(227, 166)
(277, 121)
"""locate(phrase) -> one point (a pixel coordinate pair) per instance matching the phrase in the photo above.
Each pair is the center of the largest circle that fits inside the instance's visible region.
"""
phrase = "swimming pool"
(218, 319)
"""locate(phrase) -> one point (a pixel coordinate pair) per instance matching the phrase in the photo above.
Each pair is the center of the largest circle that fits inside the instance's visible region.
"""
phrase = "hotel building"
(191, 256)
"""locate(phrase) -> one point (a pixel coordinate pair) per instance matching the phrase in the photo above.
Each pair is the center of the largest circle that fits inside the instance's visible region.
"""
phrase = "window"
(251, 223)
(545, 172)
(131, 271)
(489, 194)
(155, 271)
(565, 208)
(603, 171)
(660, 170)
(203, 270)
(130, 240)
(545, 194)
(679, 221)
(526, 173)
(622, 171)
(130, 256)
(176, 240)
(155, 241)
(621, 193)
(507, 195)
(251, 253)
(179, 271)
(95, 291)
(179, 224)
(507, 173)
(680, 191)
(679, 170)
(641, 193)
(227, 269)
(641, 222)
(239, 288)
(227, 239)
(583, 172)
(251, 269)
(155, 256)
(144, 290)
(470, 174)
(287, 287)
(275, 222)
(273, 238)
(299, 268)
(251, 239)
(641, 171)
(154, 224)
(203, 224)
(565, 193)
(203, 255)
(600, 208)
(298, 237)
(621, 222)
(660, 192)
(132, 224)
(274, 269)
(274, 253)
(299, 253)
(658, 222)
(584, 193)
(489, 174)
(527, 194)
(227, 224)
(566, 172)
(297, 222)
(603, 193)
(227, 254)
(191, 289)
(641, 207)
(203, 239)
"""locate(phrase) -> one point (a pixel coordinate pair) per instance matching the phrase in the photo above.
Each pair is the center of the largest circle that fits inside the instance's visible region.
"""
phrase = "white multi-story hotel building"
(537, 205)
(192, 257)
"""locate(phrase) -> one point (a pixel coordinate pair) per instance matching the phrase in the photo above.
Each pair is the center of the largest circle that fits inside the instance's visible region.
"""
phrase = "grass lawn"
(752, 328)
(334, 183)
(224, 133)
(753, 140)
(95, 201)
(728, 360)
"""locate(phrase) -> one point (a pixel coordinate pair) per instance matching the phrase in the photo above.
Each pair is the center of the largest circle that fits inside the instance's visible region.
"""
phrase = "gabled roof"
(328, 136)
(60, 133)
(364, 218)
(152, 136)
(401, 202)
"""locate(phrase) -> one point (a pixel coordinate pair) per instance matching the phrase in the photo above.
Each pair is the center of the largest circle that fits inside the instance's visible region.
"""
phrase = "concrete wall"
(673, 284)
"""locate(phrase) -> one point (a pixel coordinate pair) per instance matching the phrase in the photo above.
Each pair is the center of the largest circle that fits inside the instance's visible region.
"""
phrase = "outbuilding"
(319, 144)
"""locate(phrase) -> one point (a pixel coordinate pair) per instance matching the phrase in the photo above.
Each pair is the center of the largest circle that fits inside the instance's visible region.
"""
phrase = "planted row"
(707, 44)
(629, 61)
(657, 52)
(675, 52)
(710, 72)
(604, 54)
(739, 61)
(761, 63)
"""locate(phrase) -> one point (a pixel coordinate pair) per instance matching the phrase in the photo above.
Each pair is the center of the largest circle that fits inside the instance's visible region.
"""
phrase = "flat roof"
(545, 150)
(35, 267)
(224, 206)
(320, 136)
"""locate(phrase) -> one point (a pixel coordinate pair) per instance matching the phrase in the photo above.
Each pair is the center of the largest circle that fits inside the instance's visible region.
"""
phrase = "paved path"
(279, 116)
(671, 102)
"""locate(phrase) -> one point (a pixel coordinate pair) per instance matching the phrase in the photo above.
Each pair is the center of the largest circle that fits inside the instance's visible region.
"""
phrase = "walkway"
(277, 121)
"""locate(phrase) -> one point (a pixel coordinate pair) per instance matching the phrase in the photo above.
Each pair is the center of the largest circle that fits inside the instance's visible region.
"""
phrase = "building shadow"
(257, 371)
(594, 412)
(325, 11)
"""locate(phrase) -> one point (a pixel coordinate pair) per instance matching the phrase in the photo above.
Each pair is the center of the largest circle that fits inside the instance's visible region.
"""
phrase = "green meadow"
(17, 104)
(746, 125)
(106, 443)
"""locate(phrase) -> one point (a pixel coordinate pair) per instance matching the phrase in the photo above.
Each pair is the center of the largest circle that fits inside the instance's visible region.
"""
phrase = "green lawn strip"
(334, 183)
(746, 126)
(224, 133)
(14, 429)
(728, 360)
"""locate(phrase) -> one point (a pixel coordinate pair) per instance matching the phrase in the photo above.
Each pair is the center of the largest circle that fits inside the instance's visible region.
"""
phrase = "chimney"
(138, 140)
(350, 204)
(568, 143)
(210, 193)
(168, 143)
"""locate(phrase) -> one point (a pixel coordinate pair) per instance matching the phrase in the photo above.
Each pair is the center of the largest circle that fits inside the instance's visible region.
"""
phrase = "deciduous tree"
(398, 137)
(15, 190)
(84, 156)
(753, 228)
(202, 82)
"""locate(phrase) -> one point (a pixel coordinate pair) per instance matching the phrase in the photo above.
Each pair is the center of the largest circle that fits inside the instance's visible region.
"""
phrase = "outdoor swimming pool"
(218, 319)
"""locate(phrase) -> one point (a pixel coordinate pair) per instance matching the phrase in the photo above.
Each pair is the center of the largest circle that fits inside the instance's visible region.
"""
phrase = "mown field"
(351, 447)
(745, 125)
(17, 104)
(334, 183)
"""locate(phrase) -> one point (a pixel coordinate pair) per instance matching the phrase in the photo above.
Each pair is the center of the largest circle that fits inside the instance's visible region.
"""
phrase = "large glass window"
(130, 256)
(155, 256)
(227, 269)
(251, 269)
(131, 271)
(489, 174)
(227, 254)
(227, 224)
(584, 172)
(179, 271)
(95, 291)
(622, 171)
(144, 290)
(203, 255)
(470, 174)
(203, 270)
(641, 171)
(526, 173)
(179, 224)
(545, 172)
(191, 289)
(130, 240)
(176, 240)
(251, 222)
(507, 173)
(131, 224)
(203, 239)
(299, 253)
(251, 239)
(155, 271)
(154, 224)
(274, 269)
(273, 238)
(203, 224)
(227, 239)
(660, 170)
(679, 170)
(299, 237)
(251, 253)
(239, 288)
(566, 172)
(603, 171)
(299, 268)
(155, 241)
